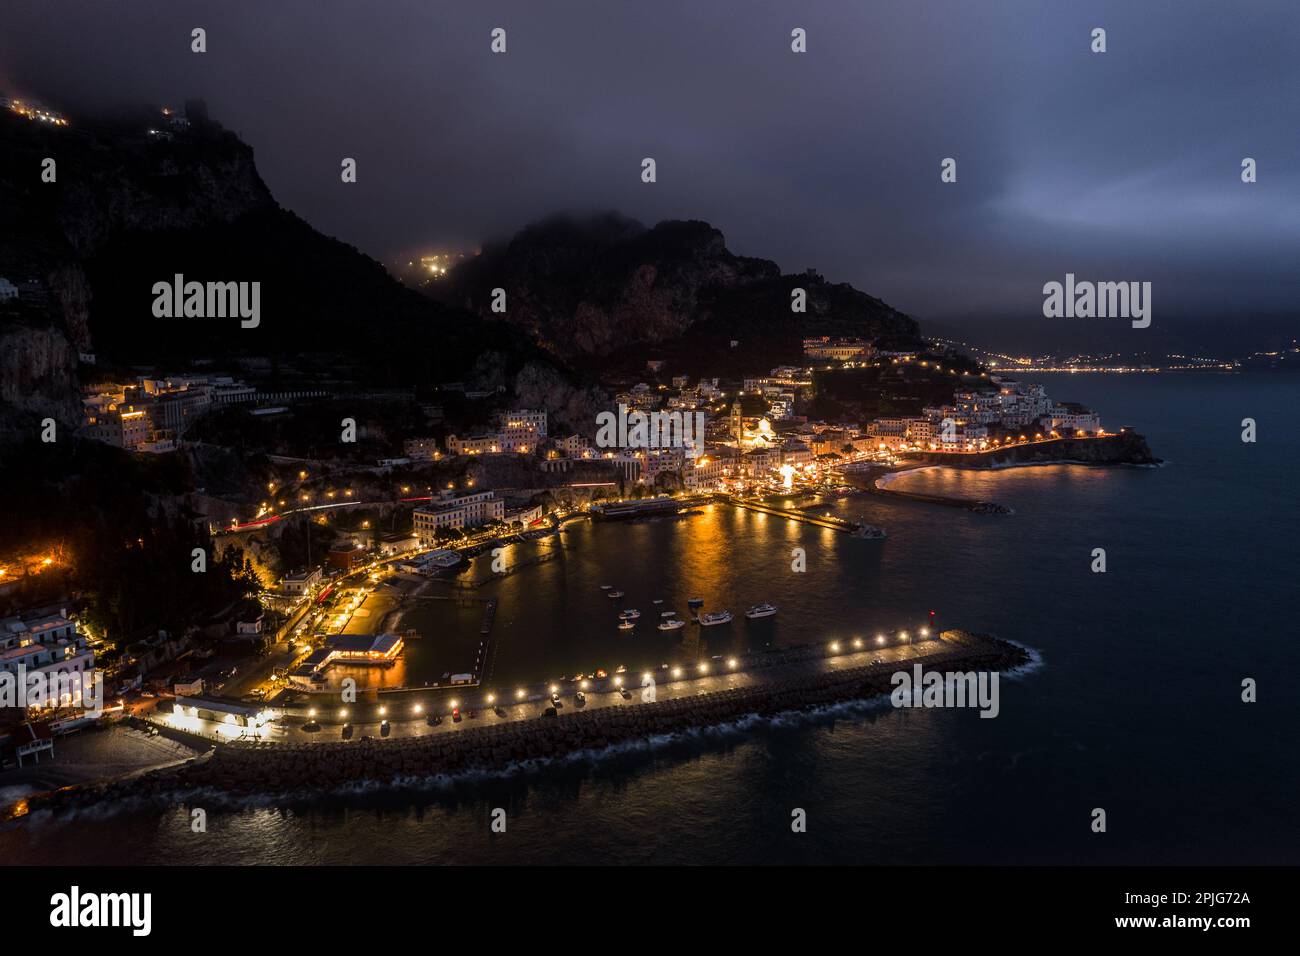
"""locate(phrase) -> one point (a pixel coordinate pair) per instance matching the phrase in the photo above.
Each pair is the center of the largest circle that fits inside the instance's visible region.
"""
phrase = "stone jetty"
(246, 768)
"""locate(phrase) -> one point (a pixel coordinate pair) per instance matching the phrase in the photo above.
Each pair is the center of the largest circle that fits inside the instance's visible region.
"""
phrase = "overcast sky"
(1123, 165)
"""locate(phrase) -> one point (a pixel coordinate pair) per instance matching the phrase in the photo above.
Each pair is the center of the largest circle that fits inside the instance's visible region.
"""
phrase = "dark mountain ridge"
(602, 287)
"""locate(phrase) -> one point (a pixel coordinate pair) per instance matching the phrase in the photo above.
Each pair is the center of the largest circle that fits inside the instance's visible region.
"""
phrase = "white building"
(525, 418)
(1070, 418)
(300, 582)
(49, 656)
(456, 511)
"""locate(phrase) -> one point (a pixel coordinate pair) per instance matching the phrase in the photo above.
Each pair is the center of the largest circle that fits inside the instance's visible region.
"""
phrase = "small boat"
(760, 610)
(613, 594)
(715, 617)
(667, 613)
(607, 587)
(620, 669)
(657, 601)
(672, 624)
(600, 672)
(631, 614)
(626, 625)
(696, 602)
(870, 532)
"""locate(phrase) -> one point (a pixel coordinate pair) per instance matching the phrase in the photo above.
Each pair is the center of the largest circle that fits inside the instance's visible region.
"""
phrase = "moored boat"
(613, 594)
(631, 614)
(760, 610)
(696, 602)
(626, 625)
(671, 624)
(715, 617)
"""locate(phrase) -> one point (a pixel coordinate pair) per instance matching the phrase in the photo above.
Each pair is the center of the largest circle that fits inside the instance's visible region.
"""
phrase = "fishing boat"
(631, 614)
(613, 594)
(760, 610)
(671, 624)
(715, 617)
(626, 625)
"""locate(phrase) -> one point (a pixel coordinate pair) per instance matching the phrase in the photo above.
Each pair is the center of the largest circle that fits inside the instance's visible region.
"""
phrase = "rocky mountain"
(135, 202)
(607, 288)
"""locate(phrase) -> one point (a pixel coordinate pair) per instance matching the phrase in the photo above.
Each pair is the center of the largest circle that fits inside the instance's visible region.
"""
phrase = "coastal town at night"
(852, 440)
(406, 526)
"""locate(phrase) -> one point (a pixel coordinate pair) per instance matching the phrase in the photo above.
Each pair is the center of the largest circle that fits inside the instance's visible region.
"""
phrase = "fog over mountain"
(1122, 165)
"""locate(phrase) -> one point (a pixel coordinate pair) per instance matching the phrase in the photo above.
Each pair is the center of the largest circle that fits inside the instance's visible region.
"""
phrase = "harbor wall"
(243, 768)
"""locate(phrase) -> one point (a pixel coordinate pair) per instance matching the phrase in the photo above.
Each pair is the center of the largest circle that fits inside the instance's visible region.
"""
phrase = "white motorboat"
(715, 617)
(760, 610)
(671, 624)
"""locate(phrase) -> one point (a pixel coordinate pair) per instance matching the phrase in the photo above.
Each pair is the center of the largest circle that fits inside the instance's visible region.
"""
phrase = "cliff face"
(592, 288)
(108, 180)
(129, 209)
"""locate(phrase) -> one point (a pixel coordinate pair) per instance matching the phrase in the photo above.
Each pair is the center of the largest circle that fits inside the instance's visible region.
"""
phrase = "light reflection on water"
(1137, 708)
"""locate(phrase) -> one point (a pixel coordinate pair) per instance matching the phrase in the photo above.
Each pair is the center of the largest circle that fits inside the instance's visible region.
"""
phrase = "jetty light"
(584, 684)
(491, 699)
(311, 711)
(647, 676)
(343, 712)
(418, 708)
(554, 689)
(732, 663)
(835, 647)
(704, 668)
(618, 682)
(880, 638)
(677, 672)
(925, 632)
(383, 711)
(857, 642)
(519, 694)
(902, 635)
(452, 703)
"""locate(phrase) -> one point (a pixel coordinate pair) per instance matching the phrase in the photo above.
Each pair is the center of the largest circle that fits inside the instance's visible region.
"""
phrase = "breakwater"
(1124, 448)
(243, 768)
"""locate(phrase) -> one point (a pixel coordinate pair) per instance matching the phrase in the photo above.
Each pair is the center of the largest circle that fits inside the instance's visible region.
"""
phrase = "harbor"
(612, 715)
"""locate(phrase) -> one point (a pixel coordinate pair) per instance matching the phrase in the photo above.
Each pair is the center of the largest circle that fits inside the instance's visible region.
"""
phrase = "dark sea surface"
(1136, 707)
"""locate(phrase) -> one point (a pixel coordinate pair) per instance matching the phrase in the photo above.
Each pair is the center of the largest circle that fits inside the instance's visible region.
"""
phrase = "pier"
(793, 680)
(794, 514)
